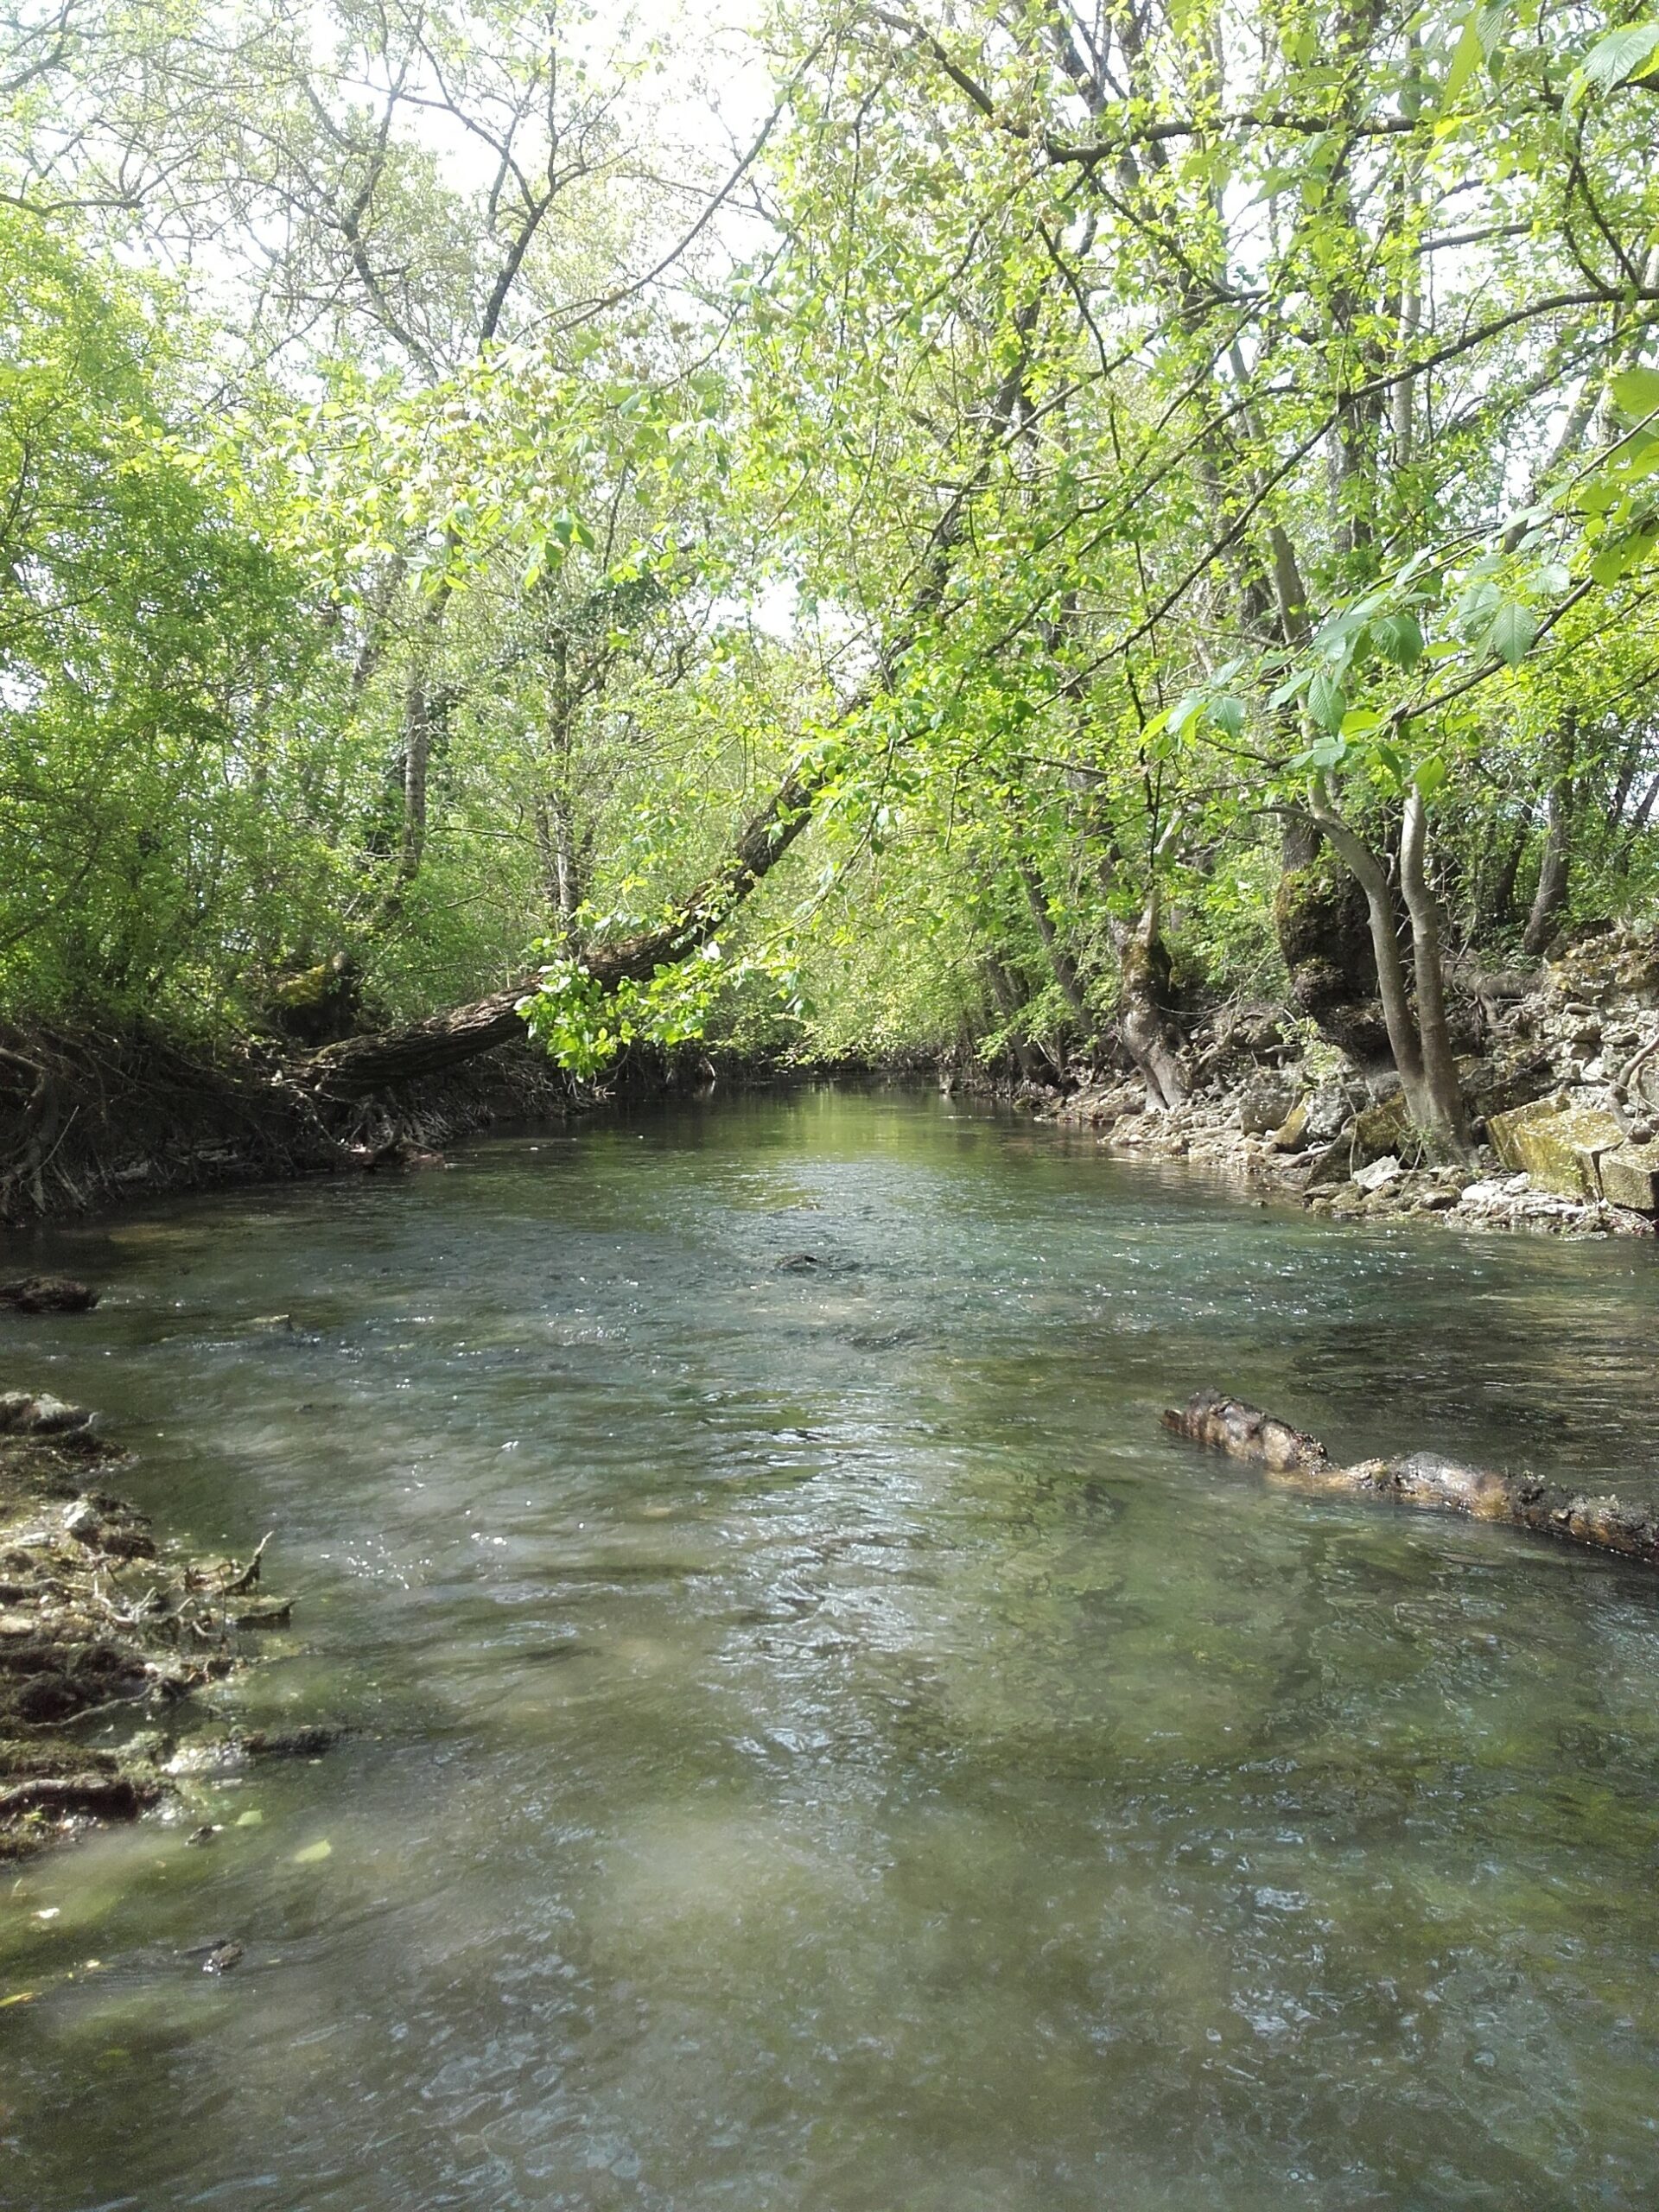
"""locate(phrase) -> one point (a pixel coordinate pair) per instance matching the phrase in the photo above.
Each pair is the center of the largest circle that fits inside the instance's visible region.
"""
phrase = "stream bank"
(97, 1624)
(1560, 1093)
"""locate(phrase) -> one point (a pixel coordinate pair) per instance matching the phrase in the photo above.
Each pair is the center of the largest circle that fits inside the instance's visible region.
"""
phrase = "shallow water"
(823, 1747)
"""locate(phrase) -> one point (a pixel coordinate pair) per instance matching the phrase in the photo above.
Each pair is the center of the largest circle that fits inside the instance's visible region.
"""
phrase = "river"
(820, 1748)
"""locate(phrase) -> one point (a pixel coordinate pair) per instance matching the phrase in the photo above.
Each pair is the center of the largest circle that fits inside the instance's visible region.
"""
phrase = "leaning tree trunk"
(362, 1065)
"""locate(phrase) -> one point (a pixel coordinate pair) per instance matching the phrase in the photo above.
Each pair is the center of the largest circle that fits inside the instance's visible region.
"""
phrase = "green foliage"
(1074, 462)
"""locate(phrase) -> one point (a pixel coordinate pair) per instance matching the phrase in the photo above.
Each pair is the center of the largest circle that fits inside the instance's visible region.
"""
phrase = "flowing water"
(823, 1750)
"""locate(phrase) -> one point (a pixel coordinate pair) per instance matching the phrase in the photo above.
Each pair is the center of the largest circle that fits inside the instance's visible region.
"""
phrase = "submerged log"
(1295, 1460)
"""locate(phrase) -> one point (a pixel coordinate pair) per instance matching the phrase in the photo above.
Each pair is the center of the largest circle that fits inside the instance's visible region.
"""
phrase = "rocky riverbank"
(1563, 1093)
(104, 1633)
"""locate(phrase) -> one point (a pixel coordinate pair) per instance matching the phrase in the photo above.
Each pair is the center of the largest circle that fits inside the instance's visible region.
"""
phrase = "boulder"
(1630, 1177)
(1380, 1129)
(1379, 1174)
(1292, 1133)
(1263, 1104)
(1558, 1144)
(1330, 1109)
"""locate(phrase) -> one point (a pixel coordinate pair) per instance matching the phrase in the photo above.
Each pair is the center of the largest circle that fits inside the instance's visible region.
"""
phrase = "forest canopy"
(862, 529)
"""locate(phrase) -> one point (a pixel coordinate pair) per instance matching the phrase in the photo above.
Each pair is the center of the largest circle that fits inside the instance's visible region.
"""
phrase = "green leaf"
(1466, 58)
(1614, 59)
(1228, 716)
(1399, 639)
(313, 1853)
(1489, 27)
(1513, 629)
(1325, 700)
(1635, 393)
(1628, 551)
(1429, 775)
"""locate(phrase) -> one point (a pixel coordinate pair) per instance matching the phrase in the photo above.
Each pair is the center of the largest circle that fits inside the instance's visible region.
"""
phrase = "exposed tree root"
(1295, 1460)
(93, 1622)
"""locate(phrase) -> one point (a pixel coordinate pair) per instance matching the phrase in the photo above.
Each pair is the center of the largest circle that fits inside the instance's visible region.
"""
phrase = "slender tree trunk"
(1497, 903)
(1448, 1125)
(417, 763)
(1549, 900)
(1420, 1043)
(1064, 967)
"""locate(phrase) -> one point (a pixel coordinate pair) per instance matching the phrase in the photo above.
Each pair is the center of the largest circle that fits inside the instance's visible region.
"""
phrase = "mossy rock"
(1380, 1130)
(1558, 1144)
(1630, 1177)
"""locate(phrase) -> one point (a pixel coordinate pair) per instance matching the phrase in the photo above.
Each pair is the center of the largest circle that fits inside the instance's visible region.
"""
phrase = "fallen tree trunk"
(1297, 1461)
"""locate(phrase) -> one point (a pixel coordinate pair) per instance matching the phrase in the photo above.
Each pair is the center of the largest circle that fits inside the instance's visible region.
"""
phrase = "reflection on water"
(823, 1747)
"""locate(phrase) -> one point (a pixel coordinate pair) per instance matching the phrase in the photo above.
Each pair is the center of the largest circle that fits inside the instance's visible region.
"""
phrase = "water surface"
(823, 1749)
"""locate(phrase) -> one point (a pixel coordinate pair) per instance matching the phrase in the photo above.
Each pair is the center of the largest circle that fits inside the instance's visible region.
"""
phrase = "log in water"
(816, 1746)
(1292, 1458)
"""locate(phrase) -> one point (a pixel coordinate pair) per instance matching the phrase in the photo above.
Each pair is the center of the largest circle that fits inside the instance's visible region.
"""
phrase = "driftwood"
(1297, 1461)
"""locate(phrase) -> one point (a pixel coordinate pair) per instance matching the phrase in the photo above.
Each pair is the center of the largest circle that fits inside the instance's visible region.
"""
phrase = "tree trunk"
(1549, 900)
(1144, 1022)
(1064, 967)
(1320, 919)
(361, 1066)
(1297, 1461)
(1497, 902)
(1369, 872)
(1008, 1004)
(1448, 1122)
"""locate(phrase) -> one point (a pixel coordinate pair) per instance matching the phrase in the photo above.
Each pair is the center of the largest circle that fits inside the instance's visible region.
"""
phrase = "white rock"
(1379, 1174)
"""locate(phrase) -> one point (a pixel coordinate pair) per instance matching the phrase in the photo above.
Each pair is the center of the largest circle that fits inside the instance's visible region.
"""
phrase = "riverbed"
(819, 1747)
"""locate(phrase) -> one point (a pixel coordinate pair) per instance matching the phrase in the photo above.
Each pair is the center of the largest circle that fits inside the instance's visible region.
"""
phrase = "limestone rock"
(1379, 1129)
(1556, 1144)
(1630, 1177)
(1379, 1174)
(1263, 1105)
(1292, 1133)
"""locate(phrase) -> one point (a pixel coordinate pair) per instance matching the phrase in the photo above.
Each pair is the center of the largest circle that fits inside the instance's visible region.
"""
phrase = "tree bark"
(1448, 1124)
(1549, 900)
(361, 1066)
(1064, 967)
(1369, 872)
(1295, 1460)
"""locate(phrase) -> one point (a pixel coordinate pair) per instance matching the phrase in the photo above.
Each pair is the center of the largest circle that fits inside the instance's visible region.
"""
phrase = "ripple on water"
(821, 1746)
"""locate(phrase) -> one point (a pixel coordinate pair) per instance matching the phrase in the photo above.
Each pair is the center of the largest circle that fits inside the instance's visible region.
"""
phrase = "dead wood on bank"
(1294, 1460)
